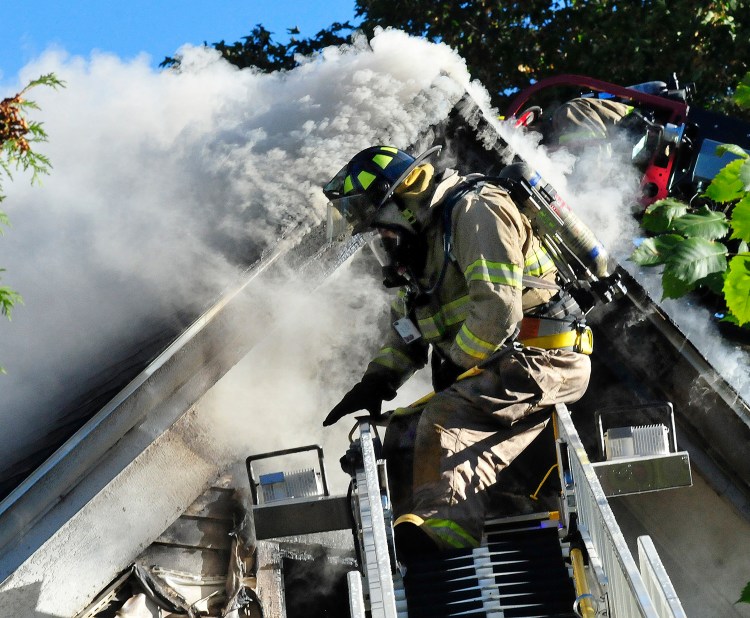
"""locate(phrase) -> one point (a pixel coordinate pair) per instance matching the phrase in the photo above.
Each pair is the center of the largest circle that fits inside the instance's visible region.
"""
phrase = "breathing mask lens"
(357, 210)
(336, 225)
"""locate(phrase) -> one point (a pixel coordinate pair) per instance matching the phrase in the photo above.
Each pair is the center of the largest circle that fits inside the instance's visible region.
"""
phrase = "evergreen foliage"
(18, 136)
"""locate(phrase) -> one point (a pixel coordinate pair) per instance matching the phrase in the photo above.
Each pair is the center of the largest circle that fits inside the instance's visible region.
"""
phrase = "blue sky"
(158, 27)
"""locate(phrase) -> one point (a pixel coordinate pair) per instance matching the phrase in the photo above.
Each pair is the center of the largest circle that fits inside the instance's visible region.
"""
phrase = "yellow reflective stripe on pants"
(393, 359)
(494, 272)
(450, 533)
(473, 345)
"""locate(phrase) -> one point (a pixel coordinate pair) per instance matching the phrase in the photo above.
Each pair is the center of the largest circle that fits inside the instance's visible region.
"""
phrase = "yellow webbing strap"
(579, 340)
(420, 403)
(546, 476)
(584, 603)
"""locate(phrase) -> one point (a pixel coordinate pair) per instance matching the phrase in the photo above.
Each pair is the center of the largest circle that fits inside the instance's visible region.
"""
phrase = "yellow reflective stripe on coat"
(393, 359)
(473, 345)
(538, 263)
(456, 311)
(494, 272)
(451, 533)
(433, 327)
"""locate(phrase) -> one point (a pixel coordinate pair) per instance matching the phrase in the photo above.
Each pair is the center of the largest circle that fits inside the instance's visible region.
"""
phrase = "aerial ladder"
(570, 562)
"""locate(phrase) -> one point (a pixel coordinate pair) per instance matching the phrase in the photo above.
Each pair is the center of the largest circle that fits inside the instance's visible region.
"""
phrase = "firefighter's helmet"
(365, 185)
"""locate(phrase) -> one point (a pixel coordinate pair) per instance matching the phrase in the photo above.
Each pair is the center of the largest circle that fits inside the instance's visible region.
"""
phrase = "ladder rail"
(627, 594)
(377, 568)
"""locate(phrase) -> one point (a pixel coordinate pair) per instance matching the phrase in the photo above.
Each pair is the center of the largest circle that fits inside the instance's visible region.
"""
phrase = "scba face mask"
(402, 256)
(393, 275)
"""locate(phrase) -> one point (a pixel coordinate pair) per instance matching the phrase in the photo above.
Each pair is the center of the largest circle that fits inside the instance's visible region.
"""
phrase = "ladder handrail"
(627, 594)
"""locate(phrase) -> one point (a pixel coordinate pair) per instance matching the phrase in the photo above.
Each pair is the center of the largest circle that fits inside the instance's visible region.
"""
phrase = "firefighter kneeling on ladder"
(479, 288)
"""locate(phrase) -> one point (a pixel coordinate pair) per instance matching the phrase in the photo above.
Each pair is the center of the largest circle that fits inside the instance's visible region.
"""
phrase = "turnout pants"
(443, 459)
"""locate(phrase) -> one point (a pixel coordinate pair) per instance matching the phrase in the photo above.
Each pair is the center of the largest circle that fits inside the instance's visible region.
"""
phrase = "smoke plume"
(166, 184)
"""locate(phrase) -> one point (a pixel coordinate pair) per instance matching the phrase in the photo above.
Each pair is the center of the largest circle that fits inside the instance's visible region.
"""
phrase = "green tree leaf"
(737, 287)
(742, 94)
(732, 149)
(658, 216)
(744, 174)
(657, 250)
(714, 282)
(695, 258)
(705, 223)
(727, 186)
(8, 298)
(673, 287)
(509, 45)
(741, 219)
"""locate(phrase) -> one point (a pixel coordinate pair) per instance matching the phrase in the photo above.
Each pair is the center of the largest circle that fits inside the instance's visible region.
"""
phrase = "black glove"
(368, 394)
(445, 374)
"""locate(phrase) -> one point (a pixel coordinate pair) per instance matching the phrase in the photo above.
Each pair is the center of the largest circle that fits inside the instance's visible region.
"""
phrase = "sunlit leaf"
(727, 186)
(705, 223)
(745, 174)
(737, 287)
(8, 299)
(732, 149)
(696, 258)
(742, 94)
(657, 250)
(658, 216)
(741, 219)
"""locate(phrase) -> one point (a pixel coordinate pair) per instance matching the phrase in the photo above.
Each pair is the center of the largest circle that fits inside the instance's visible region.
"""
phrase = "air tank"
(552, 215)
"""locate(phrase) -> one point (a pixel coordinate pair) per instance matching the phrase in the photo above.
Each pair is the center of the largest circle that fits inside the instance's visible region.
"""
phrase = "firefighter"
(604, 127)
(475, 284)
(584, 121)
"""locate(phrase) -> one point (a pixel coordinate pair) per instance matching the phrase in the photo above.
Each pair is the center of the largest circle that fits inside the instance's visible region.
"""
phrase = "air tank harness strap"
(556, 334)
(449, 204)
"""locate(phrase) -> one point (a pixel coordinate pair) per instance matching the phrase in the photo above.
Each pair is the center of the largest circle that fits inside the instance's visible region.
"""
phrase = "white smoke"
(165, 181)
(287, 384)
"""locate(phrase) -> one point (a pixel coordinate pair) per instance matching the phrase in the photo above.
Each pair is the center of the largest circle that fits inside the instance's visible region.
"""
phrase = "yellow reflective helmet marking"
(382, 160)
(348, 185)
(365, 179)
